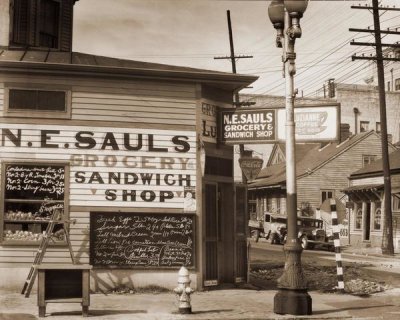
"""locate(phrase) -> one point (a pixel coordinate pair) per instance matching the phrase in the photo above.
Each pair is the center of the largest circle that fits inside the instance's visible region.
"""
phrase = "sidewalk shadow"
(94, 313)
(19, 316)
(207, 311)
(352, 308)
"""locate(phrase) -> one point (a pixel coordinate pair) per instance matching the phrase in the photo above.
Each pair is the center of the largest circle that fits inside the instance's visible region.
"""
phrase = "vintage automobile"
(311, 232)
(273, 227)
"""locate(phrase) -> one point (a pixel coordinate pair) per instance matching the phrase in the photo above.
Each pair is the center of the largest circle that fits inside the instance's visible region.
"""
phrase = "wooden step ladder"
(56, 219)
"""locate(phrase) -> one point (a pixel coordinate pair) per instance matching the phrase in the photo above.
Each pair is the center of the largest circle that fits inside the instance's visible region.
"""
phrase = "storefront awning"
(368, 192)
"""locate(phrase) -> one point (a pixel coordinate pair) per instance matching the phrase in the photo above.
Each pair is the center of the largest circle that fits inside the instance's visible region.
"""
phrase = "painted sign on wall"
(111, 166)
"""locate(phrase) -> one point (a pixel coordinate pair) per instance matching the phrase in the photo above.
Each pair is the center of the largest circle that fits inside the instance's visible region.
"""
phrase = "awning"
(363, 188)
(368, 192)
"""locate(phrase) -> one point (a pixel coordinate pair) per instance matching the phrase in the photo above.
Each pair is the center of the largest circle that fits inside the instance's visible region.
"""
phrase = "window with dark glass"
(49, 23)
(327, 194)
(36, 23)
(36, 100)
(358, 218)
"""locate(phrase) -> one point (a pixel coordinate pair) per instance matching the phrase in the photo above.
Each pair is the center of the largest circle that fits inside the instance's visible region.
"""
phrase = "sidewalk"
(230, 304)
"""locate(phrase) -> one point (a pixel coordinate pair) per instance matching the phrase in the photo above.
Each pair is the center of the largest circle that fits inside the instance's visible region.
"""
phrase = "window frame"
(378, 208)
(378, 127)
(397, 84)
(31, 33)
(3, 166)
(356, 216)
(362, 129)
(27, 113)
(326, 191)
(370, 157)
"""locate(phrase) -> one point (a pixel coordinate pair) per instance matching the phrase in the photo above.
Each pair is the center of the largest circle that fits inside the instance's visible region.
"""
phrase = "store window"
(37, 101)
(378, 217)
(327, 194)
(364, 126)
(358, 217)
(32, 193)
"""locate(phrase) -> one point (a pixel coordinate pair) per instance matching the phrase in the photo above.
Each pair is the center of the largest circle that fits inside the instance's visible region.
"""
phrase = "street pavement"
(230, 304)
(244, 303)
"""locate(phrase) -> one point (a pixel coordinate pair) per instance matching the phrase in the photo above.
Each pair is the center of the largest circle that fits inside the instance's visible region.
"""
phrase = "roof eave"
(233, 82)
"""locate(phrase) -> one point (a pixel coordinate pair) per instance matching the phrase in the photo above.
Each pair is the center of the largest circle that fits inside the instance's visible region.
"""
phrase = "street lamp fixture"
(292, 297)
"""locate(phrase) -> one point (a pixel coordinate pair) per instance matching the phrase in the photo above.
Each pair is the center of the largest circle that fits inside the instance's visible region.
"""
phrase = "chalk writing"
(34, 182)
(141, 240)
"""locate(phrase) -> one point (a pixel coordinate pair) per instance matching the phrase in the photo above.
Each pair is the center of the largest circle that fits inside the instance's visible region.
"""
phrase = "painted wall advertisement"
(251, 125)
(112, 166)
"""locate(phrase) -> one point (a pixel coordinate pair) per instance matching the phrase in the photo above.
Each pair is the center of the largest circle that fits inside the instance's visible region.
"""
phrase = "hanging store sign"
(251, 167)
(248, 126)
(252, 126)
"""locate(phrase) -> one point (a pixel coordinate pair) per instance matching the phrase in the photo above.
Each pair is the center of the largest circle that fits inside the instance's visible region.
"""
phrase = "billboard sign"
(317, 123)
(252, 126)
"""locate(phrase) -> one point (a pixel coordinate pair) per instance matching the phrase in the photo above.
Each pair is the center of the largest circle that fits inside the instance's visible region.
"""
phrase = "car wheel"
(304, 242)
(255, 234)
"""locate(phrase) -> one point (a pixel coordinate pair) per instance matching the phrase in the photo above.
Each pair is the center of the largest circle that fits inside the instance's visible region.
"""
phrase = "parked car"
(311, 232)
(273, 227)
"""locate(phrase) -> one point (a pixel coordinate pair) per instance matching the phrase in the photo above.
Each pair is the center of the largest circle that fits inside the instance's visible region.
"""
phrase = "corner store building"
(129, 139)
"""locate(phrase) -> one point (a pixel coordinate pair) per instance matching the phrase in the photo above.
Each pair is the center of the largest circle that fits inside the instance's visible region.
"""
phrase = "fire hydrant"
(184, 291)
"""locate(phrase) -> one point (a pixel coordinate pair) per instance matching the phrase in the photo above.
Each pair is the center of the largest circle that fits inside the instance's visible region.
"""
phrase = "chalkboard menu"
(143, 240)
(34, 182)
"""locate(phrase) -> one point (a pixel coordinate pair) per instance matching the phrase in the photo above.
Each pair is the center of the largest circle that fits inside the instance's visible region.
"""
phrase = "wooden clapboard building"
(126, 148)
(322, 173)
(366, 195)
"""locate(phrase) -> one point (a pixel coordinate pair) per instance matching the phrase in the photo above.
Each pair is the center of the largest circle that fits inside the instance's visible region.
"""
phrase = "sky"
(193, 32)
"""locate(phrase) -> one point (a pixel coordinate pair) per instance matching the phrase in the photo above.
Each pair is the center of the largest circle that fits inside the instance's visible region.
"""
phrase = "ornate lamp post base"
(295, 302)
(292, 297)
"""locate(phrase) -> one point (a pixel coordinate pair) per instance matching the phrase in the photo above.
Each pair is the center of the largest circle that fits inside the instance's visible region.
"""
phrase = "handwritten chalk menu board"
(34, 182)
(141, 240)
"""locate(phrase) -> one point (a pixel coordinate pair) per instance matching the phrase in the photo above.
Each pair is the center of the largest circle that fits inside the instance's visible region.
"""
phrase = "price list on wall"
(23, 181)
(141, 240)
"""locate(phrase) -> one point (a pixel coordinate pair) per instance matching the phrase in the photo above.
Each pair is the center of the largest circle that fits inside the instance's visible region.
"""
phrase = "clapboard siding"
(334, 174)
(152, 103)
(134, 107)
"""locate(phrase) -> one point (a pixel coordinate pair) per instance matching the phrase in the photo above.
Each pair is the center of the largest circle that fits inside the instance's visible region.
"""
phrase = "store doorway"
(367, 221)
(219, 234)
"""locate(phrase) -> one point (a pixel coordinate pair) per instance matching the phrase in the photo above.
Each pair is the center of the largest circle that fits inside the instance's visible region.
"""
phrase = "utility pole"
(387, 235)
(233, 58)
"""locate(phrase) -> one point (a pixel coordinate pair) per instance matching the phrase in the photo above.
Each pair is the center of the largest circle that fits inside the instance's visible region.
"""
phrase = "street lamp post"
(292, 297)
